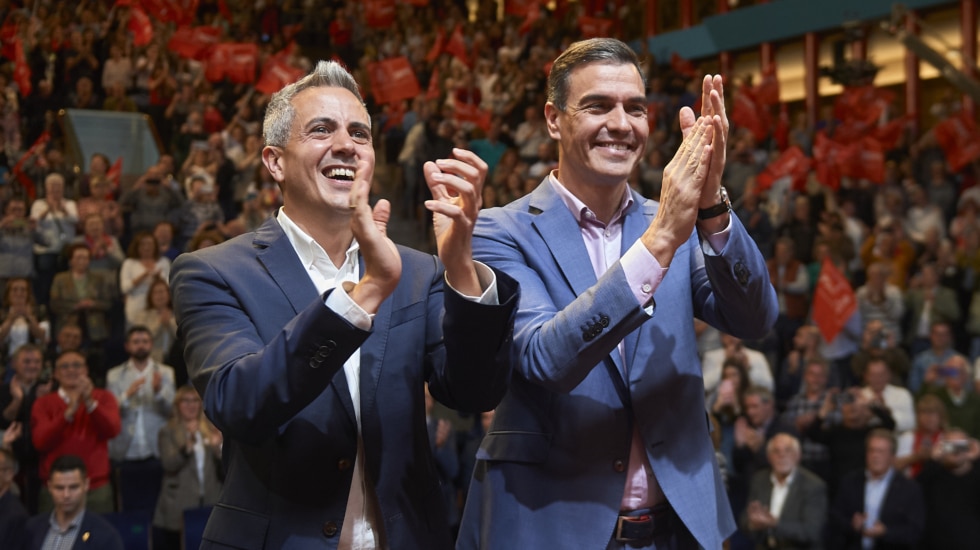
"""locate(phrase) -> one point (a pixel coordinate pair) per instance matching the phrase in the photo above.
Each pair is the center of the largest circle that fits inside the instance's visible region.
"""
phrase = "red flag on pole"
(140, 25)
(533, 14)
(276, 74)
(767, 91)
(436, 48)
(194, 42)
(826, 154)
(18, 169)
(792, 162)
(22, 71)
(435, 88)
(960, 140)
(114, 173)
(747, 114)
(456, 45)
(833, 301)
(393, 80)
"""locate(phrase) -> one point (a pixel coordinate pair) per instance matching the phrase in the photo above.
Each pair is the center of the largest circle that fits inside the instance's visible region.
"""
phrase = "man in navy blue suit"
(311, 339)
(69, 525)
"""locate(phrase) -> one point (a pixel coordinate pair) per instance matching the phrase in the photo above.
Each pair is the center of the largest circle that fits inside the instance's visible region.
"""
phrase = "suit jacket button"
(619, 466)
(343, 464)
(330, 528)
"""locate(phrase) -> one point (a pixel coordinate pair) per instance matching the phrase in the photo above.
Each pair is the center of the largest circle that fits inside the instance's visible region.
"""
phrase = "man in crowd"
(70, 525)
(311, 339)
(12, 512)
(898, 400)
(801, 411)
(787, 503)
(78, 419)
(602, 441)
(950, 484)
(16, 401)
(145, 392)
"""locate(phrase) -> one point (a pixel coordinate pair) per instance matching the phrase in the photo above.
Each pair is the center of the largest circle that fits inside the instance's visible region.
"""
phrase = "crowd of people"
(88, 336)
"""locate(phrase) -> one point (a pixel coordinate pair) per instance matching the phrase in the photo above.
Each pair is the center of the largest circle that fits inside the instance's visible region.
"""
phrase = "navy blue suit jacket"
(267, 355)
(95, 533)
(902, 512)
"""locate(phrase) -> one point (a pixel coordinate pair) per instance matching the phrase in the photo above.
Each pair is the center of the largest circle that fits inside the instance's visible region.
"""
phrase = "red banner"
(864, 103)
(435, 87)
(18, 170)
(748, 114)
(114, 173)
(235, 61)
(22, 71)
(436, 48)
(417, 3)
(456, 45)
(826, 155)
(833, 301)
(379, 14)
(277, 74)
(194, 42)
(141, 26)
(793, 162)
(393, 80)
(518, 7)
(767, 91)
(960, 140)
(533, 15)
(467, 112)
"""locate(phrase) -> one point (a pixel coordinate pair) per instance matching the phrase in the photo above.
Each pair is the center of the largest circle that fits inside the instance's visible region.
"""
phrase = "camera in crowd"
(955, 447)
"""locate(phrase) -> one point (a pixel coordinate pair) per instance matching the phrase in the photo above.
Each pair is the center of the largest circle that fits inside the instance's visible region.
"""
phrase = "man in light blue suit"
(602, 438)
(311, 339)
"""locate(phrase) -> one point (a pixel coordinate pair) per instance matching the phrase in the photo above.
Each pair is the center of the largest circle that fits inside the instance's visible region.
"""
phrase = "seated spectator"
(928, 303)
(17, 398)
(940, 349)
(18, 233)
(158, 318)
(879, 300)
(897, 399)
(20, 320)
(13, 515)
(755, 363)
(801, 412)
(107, 254)
(787, 503)
(78, 419)
(73, 517)
(950, 383)
(190, 451)
(142, 265)
(915, 448)
(879, 343)
(950, 484)
(876, 507)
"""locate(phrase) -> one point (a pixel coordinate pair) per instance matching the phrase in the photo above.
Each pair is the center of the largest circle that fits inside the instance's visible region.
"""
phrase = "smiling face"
(329, 142)
(603, 130)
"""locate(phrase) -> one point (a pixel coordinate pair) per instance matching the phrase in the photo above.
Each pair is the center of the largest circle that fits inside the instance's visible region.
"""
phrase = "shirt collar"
(75, 523)
(787, 483)
(310, 253)
(883, 479)
(582, 212)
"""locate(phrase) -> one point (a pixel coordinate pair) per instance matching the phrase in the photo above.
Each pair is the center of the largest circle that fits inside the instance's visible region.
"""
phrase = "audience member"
(880, 392)
(755, 363)
(13, 515)
(77, 419)
(940, 349)
(950, 381)
(915, 448)
(190, 452)
(17, 399)
(792, 283)
(73, 521)
(163, 232)
(57, 219)
(105, 252)
(143, 265)
(20, 320)
(200, 212)
(876, 506)
(927, 302)
(787, 503)
(802, 411)
(18, 233)
(805, 348)
(158, 318)
(149, 201)
(878, 343)
(880, 300)
(950, 484)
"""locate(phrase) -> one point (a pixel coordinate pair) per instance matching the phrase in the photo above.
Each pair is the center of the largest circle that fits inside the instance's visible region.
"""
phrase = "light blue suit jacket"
(551, 471)
(267, 356)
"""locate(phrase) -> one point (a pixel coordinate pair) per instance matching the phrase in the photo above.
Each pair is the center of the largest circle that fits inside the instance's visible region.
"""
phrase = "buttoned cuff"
(643, 273)
(488, 282)
(340, 302)
(712, 245)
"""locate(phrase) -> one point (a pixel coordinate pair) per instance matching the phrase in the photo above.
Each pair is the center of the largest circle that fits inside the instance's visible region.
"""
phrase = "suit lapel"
(637, 220)
(276, 254)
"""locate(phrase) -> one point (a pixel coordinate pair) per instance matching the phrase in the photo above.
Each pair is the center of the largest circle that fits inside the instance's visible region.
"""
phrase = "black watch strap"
(724, 206)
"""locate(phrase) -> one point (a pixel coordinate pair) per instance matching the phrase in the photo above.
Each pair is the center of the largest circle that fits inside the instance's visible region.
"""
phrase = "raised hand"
(382, 264)
(457, 186)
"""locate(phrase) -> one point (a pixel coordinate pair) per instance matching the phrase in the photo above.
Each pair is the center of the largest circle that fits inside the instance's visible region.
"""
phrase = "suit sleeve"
(806, 530)
(731, 292)
(251, 388)
(906, 515)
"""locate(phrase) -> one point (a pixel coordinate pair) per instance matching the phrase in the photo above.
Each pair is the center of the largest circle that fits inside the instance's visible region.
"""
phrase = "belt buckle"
(621, 520)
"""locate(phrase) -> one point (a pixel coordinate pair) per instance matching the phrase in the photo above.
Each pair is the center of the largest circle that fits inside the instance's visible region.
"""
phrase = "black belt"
(646, 524)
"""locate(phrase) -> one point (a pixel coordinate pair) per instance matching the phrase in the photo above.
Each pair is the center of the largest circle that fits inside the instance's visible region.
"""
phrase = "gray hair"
(280, 112)
(594, 50)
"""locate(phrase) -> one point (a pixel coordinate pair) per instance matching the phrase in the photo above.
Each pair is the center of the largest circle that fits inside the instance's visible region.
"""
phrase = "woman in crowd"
(143, 264)
(20, 320)
(190, 450)
(107, 254)
(158, 316)
(915, 447)
(725, 402)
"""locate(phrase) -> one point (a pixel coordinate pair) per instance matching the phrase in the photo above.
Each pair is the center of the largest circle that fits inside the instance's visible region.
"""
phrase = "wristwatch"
(724, 206)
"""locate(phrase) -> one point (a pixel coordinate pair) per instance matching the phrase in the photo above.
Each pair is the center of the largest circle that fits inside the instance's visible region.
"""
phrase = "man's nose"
(617, 119)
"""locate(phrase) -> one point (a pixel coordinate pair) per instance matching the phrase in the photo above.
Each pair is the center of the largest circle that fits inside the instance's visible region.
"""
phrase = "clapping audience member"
(57, 220)
(725, 403)
(17, 237)
(950, 483)
(106, 253)
(17, 398)
(77, 419)
(143, 265)
(20, 320)
(163, 232)
(158, 318)
(898, 400)
(787, 503)
(915, 448)
(805, 348)
(950, 381)
(876, 506)
(940, 349)
(880, 343)
(928, 302)
(755, 363)
(190, 451)
(880, 300)
(802, 410)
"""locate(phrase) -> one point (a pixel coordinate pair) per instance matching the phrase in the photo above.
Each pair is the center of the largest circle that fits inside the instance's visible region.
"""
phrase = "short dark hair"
(883, 433)
(68, 463)
(593, 50)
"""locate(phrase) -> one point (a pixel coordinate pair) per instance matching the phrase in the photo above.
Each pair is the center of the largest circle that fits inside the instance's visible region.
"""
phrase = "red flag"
(8, 37)
(435, 88)
(18, 169)
(594, 27)
(833, 301)
(767, 91)
(826, 155)
(194, 42)
(417, 3)
(225, 10)
(232, 60)
(468, 112)
(533, 14)
(379, 14)
(276, 74)
(862, 103)
(456, 45)
(518, 7)
(436, 48)
(889, 134)
(960, 140)
(869, 162)
(393, 80)
(22, 71)
(114, 173)
(747, 113)
(793, 162)
(140, 25)
(680, 65)
(184, 11)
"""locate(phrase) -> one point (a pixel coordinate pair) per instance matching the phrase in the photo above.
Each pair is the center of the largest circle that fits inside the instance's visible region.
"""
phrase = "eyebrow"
(602, 97)
(333, 123)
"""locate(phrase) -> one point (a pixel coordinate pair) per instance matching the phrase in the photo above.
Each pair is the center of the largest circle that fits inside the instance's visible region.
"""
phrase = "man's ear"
(551, 113)
(272, 159)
